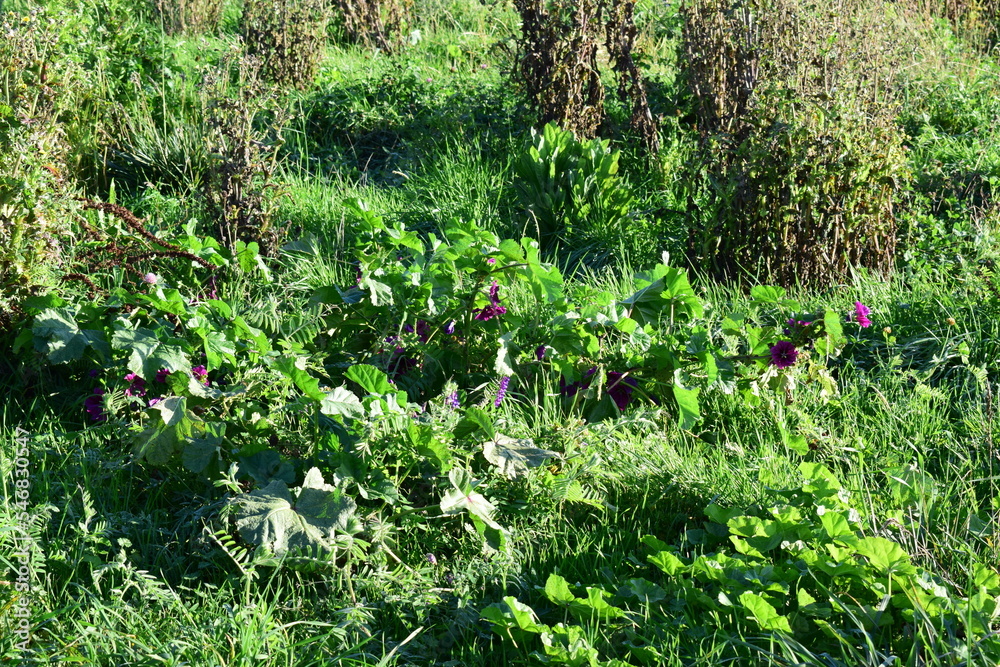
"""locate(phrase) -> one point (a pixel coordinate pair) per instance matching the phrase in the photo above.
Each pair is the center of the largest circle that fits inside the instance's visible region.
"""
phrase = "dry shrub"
(558, 62)
(799, 143)
(244, 122)
(377, 24)
(287, 36)
(620, 32)
(190, 17)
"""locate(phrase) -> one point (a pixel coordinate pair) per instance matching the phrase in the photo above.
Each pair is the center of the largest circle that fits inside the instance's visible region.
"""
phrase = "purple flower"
(161, 375)
(540, 352)
(201, 374)
(154, 401)
(861, 313)
(502, 392)
(489, 312)
(94, 405)
(452, 401)
(137, 386)
(94, 372)
(491, 260)
(150, 279)
(431, 559)
(783, 354)
(620, 388)
(582, 384)
(450, 328)
(495, 294)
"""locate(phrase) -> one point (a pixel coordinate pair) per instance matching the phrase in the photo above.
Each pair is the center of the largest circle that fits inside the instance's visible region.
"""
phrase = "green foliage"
(35, 201)
(572, 188)
(804, 573)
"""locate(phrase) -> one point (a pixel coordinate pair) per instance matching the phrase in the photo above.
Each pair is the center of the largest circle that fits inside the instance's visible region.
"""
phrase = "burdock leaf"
(59, 336)
(463, 497)
(270, 517)
(514, 456)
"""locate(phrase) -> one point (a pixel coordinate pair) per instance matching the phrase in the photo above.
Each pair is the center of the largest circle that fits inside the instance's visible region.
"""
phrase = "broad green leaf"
(557, 590)
(204, 446)
(168, 434)
(767, 294)
(271, 518)
(342, 402)
(265, 466)
(294, 368)
(668, 562)
(59, 336)
(514, 456)
(835, 524)
(688, 411)
(462, 497)
(371, 379)
(765, 615)
(502, 365)
(148, 354)
(217, 348)
(475, 420)
(885, 555)
(594, 605)
(645, 590)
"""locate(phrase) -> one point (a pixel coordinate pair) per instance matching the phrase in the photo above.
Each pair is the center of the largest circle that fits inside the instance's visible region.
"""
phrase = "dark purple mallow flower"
(137, 386)
(783, 354)
(620, 388)
(94, 405)
(582, 384)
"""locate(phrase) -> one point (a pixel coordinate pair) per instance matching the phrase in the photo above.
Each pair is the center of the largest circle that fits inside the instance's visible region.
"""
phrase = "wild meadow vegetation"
(447, 332)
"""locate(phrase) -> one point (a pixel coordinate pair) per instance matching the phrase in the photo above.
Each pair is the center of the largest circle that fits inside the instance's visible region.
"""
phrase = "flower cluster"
(502, 392)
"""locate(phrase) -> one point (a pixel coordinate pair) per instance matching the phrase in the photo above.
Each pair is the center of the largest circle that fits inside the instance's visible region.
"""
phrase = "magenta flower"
(491, 260)
(94, 405)
(161, 375)
(137, 386)
(489, 312)
(783, 354)
(154, 401)
(201, 374)
(861, 313)
(495, 293)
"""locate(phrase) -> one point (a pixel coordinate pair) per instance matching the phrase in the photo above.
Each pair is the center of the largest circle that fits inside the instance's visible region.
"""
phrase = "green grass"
(129, 568)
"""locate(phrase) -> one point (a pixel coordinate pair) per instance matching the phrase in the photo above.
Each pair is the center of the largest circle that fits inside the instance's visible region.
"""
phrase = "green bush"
(571, 188)
(35, 202)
